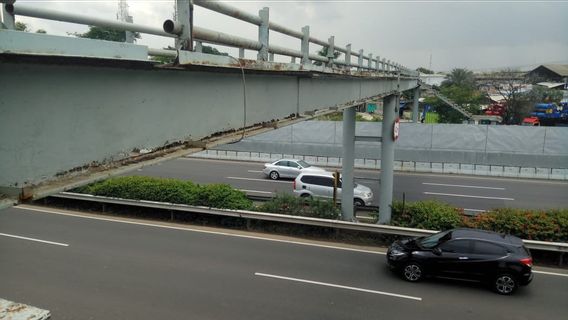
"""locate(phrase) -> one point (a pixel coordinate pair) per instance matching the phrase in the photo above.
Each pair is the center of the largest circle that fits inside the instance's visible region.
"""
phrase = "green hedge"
(307, 207)
(544, 225)
(426, 215)
(170, 190)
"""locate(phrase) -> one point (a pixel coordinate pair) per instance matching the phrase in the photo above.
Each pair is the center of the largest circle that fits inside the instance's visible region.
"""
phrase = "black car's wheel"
(358, 203)
(274, 175)
(412, 272)
(505, 284)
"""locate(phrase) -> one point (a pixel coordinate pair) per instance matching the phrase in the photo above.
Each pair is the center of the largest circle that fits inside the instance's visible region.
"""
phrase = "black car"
(497, 259)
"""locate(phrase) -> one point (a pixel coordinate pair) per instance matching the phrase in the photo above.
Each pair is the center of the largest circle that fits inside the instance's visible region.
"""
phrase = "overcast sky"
(478, 35)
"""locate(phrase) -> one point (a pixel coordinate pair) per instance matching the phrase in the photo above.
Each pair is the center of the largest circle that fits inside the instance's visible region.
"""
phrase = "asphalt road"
(471, 193)
(95, 268)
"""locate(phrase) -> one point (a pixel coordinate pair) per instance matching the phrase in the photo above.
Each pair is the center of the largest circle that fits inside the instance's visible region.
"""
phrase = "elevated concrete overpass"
(76, 110)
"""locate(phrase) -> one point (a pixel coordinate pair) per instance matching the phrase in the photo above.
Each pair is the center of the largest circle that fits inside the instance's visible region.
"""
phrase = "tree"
(461, 78)
(467, 97)
(21, 26)
(424, 70)
(508, 84)
(105, 34)
(323, 53)
(211, 50)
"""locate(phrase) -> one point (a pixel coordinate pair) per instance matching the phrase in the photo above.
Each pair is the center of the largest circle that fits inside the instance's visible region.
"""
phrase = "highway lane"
(117, 270)
(472, 193)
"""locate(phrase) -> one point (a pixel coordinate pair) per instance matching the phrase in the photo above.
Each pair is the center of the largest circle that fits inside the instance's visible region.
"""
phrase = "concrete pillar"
(241, 53)
(360, 61)
(184, 12)
(306, 46)
(370, 61)
(7, 19)
(129, 35)
(415, 105)
(387, 159)
(271, 57)
(198, 46)
(263, 34)
(348, 57)
(348, 164)
(330, 51)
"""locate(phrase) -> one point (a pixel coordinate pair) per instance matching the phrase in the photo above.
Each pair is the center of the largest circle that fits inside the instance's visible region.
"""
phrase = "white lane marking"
(461, 186)
(475, 210)
(337, 286)
(263, 180)
(33, 239)
(551, 273)
(255, 171)
(255, 191)
(467, 196)
(24, 207)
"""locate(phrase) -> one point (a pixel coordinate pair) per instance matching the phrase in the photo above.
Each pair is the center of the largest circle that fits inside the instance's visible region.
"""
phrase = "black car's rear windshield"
(435, 239)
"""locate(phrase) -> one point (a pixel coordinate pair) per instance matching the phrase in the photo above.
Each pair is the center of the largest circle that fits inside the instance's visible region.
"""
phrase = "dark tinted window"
(457, 246)
(292, 164)
(324, 181)
(482, 247)
(281, 163)
(309, 179)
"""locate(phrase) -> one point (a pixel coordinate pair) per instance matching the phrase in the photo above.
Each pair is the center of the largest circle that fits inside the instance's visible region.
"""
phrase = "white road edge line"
(475, 210)
(337, 286)
(461, 186)
(255, 171)
(24, 207)
(253, 179)
(551, 273)
(255, 191)
(467, 196)
(33, 239)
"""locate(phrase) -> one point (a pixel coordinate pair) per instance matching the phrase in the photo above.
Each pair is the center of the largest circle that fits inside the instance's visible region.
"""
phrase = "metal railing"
(184, 32)
(363, 227)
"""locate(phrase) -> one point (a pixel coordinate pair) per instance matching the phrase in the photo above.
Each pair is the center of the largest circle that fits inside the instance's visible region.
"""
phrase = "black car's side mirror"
(437, 251)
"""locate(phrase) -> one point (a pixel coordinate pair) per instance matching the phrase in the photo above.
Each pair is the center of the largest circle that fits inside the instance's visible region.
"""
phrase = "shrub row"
(544, 225)
(170, 190)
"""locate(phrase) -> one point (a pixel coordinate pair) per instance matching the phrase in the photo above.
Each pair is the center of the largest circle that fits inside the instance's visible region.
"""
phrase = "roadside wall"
(511, 151)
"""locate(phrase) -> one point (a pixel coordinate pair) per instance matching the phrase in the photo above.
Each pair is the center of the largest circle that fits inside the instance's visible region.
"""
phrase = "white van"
(320, 184)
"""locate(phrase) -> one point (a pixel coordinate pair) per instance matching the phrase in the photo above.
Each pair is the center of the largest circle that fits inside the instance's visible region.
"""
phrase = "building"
(557, 73)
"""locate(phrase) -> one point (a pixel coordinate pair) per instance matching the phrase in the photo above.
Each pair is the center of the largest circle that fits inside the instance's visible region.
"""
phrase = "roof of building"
(559, 69)
(551, 85)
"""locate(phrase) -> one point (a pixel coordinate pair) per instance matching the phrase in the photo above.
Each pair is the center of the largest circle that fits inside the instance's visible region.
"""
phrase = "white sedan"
(288, 168)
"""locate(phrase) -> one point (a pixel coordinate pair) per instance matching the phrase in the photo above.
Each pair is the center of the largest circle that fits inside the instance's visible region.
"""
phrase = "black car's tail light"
(527, 262)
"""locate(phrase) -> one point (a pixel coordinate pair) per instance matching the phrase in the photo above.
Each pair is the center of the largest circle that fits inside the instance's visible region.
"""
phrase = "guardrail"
(344, 225)
(185, 33)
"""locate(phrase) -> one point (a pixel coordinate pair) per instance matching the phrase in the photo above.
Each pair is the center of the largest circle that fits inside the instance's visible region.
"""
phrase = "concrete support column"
(348, 164)
(348, 57)
(370, 66)
(360, 61)
(263, 34)
(415, 105)
(129, 35)
(184, 17)
(306, 46)
(7, 19)
(241, 53)
(199, 46)
(387, 159)
(271, 57)
(330, 51)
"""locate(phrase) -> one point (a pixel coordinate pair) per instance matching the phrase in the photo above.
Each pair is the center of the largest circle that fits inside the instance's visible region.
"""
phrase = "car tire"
(359, 203)
(274, 175)
(505, 284)
(412, 272)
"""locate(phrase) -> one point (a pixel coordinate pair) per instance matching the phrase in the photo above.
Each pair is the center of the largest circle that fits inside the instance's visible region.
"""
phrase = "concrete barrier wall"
(508, 151)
